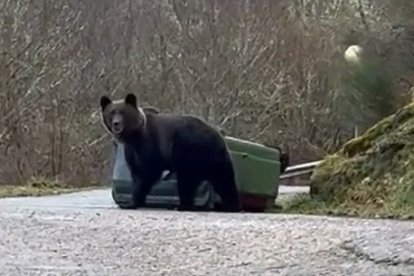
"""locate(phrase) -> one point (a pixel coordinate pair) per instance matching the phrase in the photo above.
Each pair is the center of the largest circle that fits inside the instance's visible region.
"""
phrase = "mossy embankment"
(371, 176)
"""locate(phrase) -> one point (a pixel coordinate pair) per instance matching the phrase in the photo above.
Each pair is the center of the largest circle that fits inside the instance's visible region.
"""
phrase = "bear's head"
(122, 118)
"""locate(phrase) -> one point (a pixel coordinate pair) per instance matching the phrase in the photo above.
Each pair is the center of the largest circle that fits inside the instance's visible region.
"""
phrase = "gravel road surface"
(85, 234)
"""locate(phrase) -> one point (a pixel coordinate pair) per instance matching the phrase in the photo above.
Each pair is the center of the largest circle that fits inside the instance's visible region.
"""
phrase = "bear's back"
(186, 128)
(177, 136)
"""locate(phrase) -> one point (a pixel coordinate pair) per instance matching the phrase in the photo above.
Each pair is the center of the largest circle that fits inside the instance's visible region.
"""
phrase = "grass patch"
(40, 187)
(300, 204)
(305, 205)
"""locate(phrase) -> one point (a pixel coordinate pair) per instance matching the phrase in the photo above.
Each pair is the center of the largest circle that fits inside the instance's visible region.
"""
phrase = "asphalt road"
(85, 234)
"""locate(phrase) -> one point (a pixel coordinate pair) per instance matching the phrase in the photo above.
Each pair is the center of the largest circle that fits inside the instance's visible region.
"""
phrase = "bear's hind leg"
(187, 187)
(224, 184)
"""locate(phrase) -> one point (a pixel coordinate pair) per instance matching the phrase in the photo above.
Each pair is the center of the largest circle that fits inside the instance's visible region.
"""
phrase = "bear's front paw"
(126, 206)
(137, 204)
(185, 208)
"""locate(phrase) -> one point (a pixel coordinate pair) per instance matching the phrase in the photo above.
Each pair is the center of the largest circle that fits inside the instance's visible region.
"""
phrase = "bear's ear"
(131, 99)
(105, 101)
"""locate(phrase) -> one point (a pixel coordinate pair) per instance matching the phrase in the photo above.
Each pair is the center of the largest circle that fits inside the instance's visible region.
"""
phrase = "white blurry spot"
(118, 101)
(354, 54)
(165, 174)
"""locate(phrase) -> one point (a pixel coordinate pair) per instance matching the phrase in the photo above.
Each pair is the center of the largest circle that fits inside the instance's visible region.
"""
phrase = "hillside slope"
(372, 174)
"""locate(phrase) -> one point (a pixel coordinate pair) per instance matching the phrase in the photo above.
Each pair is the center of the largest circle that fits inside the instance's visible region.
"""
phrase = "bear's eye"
(121, 112)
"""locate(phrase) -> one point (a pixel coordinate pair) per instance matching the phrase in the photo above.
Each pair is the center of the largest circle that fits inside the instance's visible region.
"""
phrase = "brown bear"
(155, 142)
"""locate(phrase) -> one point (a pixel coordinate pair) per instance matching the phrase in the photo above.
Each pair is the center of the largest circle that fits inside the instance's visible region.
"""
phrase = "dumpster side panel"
(257, 167)
(256, 175)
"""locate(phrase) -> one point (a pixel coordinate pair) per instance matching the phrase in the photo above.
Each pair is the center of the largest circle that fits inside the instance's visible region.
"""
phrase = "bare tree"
(266, 71)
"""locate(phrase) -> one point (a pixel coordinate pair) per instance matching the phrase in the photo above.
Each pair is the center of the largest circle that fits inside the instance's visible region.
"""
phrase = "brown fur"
(185, 145)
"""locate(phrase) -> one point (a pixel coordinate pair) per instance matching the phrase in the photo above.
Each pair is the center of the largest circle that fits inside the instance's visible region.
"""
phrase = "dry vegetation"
(268, 71)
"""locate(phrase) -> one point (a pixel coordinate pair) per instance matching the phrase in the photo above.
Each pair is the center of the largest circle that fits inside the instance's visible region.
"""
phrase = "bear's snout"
(117, 125)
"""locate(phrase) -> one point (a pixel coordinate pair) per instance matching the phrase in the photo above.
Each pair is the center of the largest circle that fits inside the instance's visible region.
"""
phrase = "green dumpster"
(257, 169)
